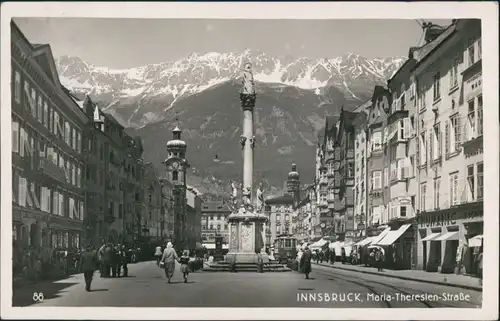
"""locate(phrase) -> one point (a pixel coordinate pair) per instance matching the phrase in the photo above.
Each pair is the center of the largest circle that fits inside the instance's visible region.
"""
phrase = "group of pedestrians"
(110, 259)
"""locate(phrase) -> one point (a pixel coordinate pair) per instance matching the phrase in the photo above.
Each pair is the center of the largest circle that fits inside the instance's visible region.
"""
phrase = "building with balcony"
(344, 162)
(377, 161)
(360, 175)
(194, 205)
(282, 218)
(305, 210)
(214, 222)
(448, 79)
(48, 189)
(325, 180)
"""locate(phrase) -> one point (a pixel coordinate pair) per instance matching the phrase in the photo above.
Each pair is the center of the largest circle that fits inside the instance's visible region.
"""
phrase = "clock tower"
(176, 167)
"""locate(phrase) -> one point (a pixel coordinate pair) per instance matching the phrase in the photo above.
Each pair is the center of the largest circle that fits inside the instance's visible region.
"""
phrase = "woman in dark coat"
(305, 262)
(184, 261)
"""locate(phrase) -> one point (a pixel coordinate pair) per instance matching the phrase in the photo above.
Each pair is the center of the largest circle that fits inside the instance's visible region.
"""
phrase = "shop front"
(448, 239)
(397, 241)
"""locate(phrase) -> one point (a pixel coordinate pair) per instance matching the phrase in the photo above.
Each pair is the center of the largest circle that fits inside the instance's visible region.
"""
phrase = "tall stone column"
(247, 139)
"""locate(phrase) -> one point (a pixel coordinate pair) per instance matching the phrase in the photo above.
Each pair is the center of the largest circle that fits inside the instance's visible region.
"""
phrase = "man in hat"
(88, 263)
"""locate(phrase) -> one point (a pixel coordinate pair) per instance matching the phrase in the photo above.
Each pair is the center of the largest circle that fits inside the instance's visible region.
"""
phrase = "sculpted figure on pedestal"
(248, 81)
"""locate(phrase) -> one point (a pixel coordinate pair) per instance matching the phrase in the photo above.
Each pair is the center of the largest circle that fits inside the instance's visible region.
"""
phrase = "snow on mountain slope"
(172, 80)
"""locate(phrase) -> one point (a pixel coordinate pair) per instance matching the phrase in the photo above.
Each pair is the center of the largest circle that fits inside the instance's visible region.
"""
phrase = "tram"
(285, 248)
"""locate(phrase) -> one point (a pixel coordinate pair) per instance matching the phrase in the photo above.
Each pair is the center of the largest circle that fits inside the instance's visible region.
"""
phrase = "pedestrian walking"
(124, 260)
(169, 257)
(184, 261)
(88, 263)
(379, 259)
(107, 260)
(305, 262)
(158, 255)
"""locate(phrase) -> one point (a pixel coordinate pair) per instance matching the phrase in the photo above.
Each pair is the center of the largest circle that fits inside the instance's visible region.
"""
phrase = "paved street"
(147, 287)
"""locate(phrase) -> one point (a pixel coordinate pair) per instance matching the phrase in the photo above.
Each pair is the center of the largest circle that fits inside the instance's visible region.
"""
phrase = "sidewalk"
(460, 281)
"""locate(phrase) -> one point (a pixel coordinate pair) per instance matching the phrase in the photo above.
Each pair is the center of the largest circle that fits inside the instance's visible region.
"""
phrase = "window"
(15, 137)
(402, 211)
(479, 49)
(287, 217)
(377, 141)
(56, 123)
(79, 142)
(377, 180)
(432, 146)
(67, 133)
(437, 189)
(480, 182)
(61, 205)
(403, 96)
(454, 74)
(73, 136)
(470, 181)
(455, 133)
(437, 141)
(331, 194)
(40, 109)
(436, 84)
(471, 59)
(480, 115)
(17, 86)
(350, 170)
(33, 102)
(175, 175)
(453, 189)
(423, 196)
(330, 168)
(422, 103)
(423, 149)
(471, 118)
(82, 212)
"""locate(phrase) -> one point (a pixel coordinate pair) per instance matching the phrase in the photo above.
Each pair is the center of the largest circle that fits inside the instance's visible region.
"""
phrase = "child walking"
(184, 261)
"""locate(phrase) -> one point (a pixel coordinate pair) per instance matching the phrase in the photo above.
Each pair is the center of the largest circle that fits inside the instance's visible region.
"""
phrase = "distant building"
(214, 222)
(151, 216)
(194, 206)
(282, 218)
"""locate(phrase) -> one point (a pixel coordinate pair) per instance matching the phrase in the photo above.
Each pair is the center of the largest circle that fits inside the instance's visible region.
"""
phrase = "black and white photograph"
(325, 157)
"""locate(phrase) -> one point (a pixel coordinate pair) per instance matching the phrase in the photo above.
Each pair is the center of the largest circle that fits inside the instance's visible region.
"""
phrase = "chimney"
(432, 31)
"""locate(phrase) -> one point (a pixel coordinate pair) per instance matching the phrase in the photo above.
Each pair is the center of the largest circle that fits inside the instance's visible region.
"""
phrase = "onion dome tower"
(176, 162)
(293, 183)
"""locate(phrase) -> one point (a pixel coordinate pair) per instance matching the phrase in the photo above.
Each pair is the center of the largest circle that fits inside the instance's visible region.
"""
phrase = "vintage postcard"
(249, 161)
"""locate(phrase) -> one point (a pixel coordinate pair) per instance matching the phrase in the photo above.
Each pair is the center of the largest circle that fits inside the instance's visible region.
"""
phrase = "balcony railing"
(399, 174)
(49, 168)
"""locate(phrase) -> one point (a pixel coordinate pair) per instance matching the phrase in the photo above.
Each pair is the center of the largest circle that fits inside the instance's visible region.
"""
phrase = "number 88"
(37, 296)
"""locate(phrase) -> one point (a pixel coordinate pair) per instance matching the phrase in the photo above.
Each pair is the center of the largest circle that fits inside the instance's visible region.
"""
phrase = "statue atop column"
(248, 82)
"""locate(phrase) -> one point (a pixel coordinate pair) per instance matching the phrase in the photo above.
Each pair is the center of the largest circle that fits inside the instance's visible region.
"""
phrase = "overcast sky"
(125, 43)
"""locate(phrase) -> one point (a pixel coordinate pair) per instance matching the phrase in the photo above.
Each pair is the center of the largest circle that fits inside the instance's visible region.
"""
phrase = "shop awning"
(476, 241)
(209, 246)
(448, 236)
(365, 241)
(392, 236)
(430, 237)
(379, 237)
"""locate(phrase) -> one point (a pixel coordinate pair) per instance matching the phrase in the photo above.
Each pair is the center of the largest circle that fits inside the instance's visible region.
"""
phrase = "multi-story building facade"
(176, 165)
(152, 213)
(343, 167)
(193, 211)
(360, 176)
(377, 163)
(305, 214)
(167, 210)
(48, 190)
(450, 129)
(281, 216)
(214, 221)
(325, 180)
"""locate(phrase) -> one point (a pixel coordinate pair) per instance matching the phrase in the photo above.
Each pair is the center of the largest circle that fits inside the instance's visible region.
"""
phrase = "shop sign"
(437, 219)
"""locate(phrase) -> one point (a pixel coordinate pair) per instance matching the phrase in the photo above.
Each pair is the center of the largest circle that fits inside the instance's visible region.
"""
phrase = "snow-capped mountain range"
(167, 82)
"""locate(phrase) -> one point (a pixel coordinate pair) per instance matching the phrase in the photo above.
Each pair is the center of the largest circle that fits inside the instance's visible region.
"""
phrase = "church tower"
(293, 184)
(176, 167)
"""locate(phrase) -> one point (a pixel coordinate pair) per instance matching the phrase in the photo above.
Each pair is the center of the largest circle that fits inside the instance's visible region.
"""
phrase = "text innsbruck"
(367, 297)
